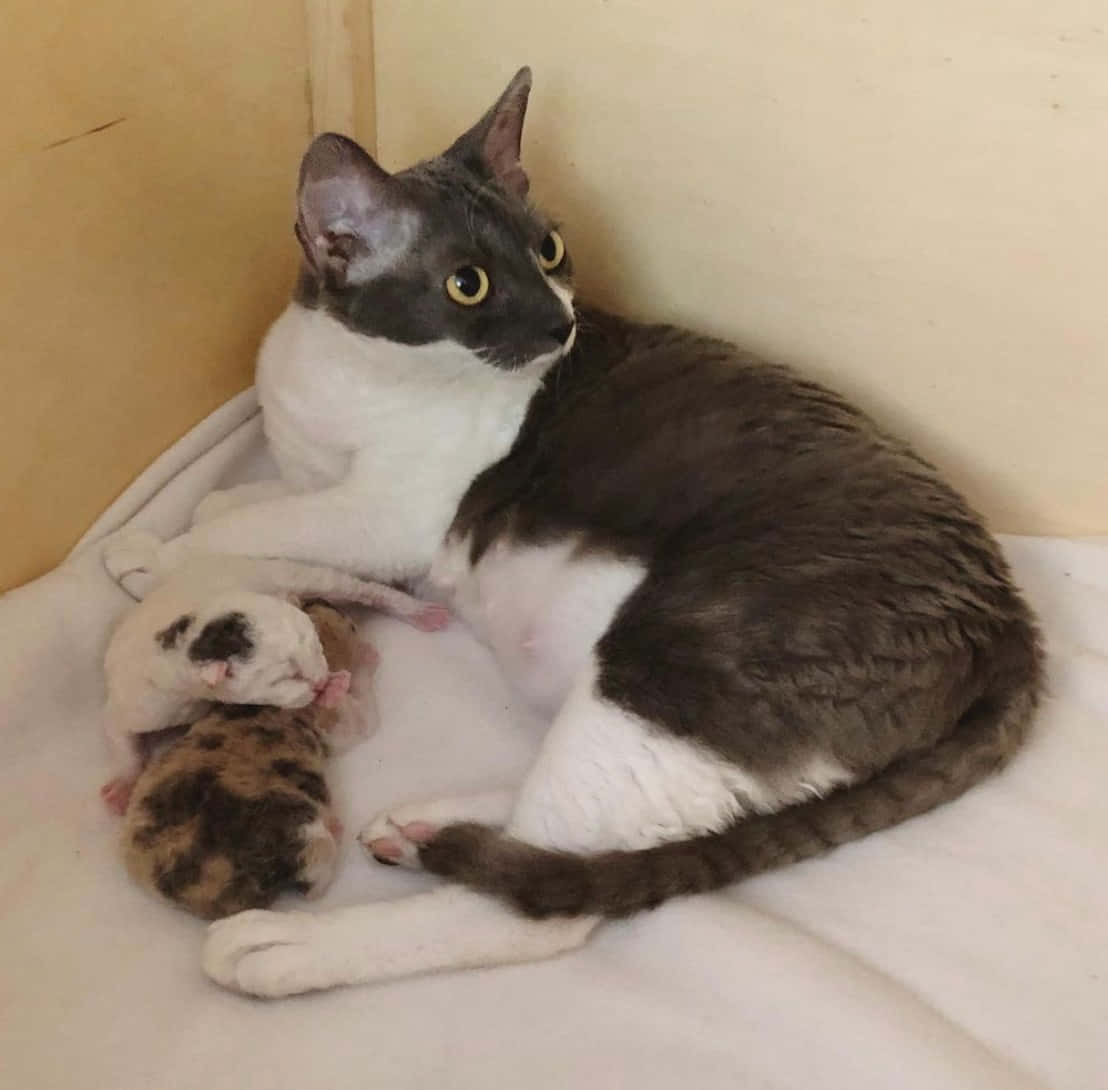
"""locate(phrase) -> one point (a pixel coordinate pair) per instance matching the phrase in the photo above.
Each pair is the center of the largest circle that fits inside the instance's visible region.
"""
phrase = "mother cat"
(762, 626)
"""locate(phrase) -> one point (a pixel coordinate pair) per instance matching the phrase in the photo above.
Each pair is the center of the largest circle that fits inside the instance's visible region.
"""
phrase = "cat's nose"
(561, 333)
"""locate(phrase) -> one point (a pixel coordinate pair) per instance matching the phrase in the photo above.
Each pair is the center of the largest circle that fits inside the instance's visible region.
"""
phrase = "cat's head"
(447, 250)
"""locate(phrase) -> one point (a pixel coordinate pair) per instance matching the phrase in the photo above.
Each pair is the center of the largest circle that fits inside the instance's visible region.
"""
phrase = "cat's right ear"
(351, 223)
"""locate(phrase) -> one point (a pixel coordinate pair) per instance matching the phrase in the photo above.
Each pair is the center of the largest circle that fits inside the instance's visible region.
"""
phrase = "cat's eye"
(468, 285)
(552, 251)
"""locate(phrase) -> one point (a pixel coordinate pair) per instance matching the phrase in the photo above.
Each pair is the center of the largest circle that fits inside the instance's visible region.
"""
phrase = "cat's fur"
(764, 627)
(238, 811)
(220, 629)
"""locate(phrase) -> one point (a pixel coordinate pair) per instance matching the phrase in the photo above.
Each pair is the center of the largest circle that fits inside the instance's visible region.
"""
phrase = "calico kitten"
(238, 811)
(761, 625)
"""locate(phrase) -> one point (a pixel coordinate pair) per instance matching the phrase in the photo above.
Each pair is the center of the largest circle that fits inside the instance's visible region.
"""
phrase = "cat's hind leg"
(603, 780)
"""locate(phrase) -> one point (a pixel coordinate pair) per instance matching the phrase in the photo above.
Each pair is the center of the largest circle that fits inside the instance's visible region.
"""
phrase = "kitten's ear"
(351, 222)
(212, 673)
(493, 144)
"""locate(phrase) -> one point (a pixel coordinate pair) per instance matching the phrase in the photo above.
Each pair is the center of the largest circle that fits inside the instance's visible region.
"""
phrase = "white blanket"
(967, 949)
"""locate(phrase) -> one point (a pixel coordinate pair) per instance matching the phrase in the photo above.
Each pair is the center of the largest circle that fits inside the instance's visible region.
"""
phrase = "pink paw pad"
(419, 832)
(337, 686)
(117, 794)
(430, 618)
(386, 850)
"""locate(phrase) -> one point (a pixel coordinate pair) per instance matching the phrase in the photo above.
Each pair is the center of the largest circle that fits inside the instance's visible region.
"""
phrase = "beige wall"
(909, 200)
(138, 264)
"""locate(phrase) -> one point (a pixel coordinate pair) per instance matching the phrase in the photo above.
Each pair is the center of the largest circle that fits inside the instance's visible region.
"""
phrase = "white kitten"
(223, 629)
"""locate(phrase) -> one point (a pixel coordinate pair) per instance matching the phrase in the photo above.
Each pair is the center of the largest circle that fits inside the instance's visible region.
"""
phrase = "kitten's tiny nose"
(562, 333)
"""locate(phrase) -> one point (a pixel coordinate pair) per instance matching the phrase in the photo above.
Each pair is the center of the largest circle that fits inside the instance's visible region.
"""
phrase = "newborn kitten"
(224, 629)
(238, 811)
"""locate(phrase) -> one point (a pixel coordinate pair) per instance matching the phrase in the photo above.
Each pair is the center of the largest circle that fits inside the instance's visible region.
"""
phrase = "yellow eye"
(468, 285)
(552, 250)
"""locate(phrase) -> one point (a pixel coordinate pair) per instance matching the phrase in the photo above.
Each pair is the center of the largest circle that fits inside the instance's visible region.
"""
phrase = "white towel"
(967, 949)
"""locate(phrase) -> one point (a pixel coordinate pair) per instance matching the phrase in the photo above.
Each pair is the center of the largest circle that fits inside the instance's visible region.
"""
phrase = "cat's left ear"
(492, 146)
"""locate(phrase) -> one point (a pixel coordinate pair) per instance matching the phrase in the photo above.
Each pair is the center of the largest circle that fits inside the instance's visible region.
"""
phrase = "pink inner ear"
(212, 673)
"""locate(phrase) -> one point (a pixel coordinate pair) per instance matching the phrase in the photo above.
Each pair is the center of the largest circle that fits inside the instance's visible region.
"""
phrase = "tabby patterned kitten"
(762, 626)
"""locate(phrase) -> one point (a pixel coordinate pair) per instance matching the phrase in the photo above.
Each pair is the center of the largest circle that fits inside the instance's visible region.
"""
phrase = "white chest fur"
(407, 429)
(415, 424)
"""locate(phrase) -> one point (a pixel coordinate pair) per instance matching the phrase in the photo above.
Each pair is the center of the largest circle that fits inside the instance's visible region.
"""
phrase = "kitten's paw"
(271, 954)
(430, 618)
(394, 839)
(319, 857)
(131, 558)
(334, 689)
(117, 794)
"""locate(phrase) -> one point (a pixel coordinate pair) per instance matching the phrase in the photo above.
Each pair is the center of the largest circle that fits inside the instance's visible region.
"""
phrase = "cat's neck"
(330, 394)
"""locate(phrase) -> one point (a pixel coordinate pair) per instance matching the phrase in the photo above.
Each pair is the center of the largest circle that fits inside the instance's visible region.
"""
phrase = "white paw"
(213, 505)
(131, 559)
(270, 954)
(394, 838)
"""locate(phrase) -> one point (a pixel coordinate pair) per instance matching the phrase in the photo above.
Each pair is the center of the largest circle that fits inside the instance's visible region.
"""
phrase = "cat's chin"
(539, 365)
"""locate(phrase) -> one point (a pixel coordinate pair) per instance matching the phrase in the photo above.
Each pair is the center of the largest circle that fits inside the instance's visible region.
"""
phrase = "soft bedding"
(966, 949)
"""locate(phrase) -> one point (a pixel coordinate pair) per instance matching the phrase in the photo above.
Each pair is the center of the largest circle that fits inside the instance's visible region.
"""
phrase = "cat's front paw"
(132, 559)
(271, 954)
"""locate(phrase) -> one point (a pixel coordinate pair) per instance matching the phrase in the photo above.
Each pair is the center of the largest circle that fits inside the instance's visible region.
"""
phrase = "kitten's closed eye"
(468, 285)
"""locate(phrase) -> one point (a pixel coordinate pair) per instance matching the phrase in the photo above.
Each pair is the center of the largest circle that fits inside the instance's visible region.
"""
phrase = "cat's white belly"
(540, 608)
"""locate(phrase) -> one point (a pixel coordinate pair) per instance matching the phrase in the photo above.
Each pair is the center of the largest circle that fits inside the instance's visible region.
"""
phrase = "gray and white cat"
(762, 626)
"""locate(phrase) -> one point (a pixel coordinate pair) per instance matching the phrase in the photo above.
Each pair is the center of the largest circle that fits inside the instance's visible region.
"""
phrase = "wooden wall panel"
(147, 164)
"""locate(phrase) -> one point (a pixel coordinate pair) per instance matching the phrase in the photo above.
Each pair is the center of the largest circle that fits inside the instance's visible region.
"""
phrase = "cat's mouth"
(533, 364)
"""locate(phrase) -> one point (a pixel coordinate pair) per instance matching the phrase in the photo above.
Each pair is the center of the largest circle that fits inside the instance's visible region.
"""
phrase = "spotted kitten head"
(447, 250)
(247, 648)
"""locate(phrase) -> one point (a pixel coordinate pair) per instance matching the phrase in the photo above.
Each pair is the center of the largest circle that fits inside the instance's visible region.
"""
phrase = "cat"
(238, 811)
(220, 628)
(763, 627)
